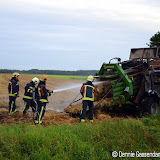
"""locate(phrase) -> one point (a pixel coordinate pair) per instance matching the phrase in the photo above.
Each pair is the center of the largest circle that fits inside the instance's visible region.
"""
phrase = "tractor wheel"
(151, 105)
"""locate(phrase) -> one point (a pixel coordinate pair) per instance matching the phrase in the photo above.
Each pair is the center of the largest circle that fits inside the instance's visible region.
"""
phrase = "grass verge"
(80, 141)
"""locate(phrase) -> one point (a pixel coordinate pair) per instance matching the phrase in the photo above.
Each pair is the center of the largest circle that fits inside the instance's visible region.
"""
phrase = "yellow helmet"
(90, 78)
(35, 80)
(15, 74)
(43, 78)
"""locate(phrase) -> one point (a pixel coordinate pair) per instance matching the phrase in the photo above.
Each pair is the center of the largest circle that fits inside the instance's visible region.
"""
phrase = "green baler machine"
(135, 82)
(122, 86)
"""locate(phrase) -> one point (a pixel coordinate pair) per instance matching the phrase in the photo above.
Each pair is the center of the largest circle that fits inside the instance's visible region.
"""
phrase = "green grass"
(68, 77)
(61, 76)
(79, 141)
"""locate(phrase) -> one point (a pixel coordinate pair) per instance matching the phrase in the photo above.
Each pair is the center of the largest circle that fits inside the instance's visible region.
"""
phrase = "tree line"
(52, 72)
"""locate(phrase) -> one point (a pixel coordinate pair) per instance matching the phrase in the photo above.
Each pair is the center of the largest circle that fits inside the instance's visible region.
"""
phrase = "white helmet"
(35, 80)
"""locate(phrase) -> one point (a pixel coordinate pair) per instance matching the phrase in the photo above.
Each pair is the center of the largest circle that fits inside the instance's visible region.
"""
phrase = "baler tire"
(151, 105)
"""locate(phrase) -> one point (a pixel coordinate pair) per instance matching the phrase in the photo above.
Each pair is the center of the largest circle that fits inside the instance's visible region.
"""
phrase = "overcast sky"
(73, 34)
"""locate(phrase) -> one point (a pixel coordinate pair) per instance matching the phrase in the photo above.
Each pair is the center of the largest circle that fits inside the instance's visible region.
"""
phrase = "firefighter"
(30, 95)
(13, 89)
(43, 93)
(87, 91)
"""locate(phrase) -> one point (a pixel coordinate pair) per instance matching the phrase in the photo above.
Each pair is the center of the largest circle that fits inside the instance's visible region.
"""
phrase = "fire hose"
(74, 100)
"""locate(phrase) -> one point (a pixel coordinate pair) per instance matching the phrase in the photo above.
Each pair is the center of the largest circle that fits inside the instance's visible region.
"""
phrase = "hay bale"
(102, 90)
(75, 109)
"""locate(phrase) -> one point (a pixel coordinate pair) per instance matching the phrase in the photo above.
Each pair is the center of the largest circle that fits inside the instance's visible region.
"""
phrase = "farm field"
(62, 136)
(62, 76)
(58, 101)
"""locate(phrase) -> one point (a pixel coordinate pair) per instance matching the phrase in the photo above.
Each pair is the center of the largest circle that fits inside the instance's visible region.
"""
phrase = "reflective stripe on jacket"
(87, 90)
(28, 94)
(43, 93)
(13, 87)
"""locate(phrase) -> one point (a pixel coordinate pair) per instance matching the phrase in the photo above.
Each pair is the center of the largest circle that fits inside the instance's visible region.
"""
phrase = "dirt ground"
(58, 102)
(50, 118)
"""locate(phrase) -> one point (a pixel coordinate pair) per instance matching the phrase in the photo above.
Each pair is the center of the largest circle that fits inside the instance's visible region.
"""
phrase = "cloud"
(140, 14)
(68, 33)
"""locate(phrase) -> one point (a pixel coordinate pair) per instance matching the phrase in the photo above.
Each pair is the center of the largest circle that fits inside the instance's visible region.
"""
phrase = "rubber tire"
(151, 105)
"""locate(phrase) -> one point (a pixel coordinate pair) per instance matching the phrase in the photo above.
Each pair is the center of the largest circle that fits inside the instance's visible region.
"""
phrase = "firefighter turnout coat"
(13, 87)
(87, 91)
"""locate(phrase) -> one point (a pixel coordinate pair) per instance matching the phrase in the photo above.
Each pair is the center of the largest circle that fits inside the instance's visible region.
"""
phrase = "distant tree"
(52, 72)
(155, 41)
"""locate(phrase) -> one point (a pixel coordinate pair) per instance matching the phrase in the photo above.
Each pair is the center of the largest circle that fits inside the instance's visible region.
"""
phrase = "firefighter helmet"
(44, 78)
(15, 74)
(35, 80)
(90, 78)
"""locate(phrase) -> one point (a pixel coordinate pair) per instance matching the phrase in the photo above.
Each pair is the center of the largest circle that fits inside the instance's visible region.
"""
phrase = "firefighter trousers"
(12, 104)
(40, 112)
(28, 103)
(86, 103)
